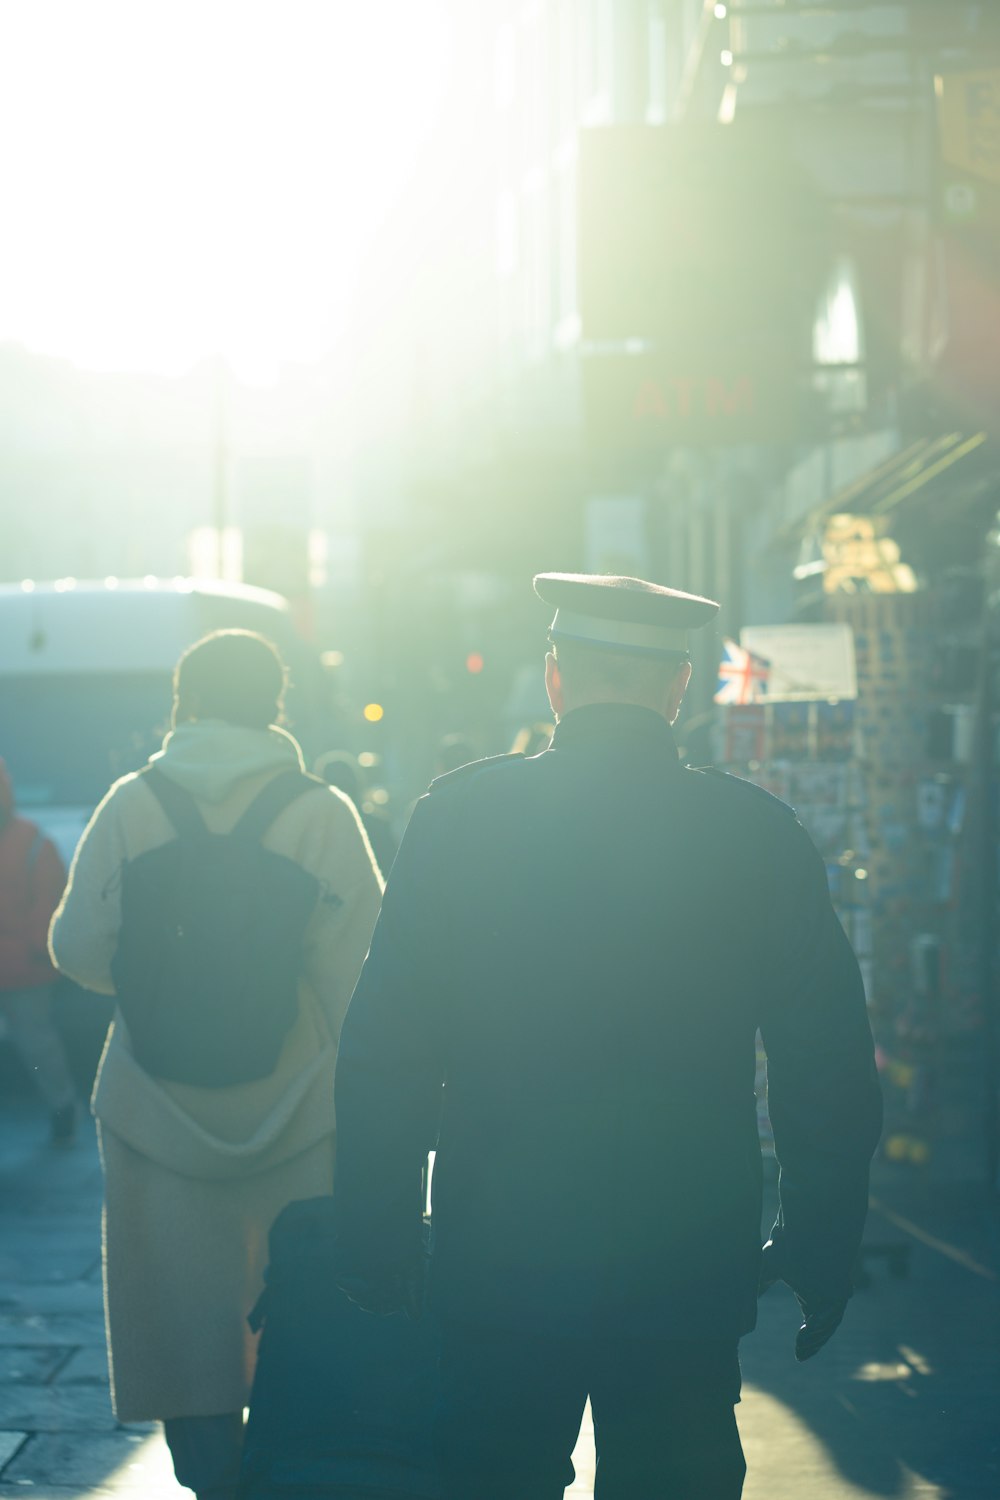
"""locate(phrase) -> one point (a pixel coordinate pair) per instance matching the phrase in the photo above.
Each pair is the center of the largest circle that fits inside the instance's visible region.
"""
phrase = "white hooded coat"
(194, 1177)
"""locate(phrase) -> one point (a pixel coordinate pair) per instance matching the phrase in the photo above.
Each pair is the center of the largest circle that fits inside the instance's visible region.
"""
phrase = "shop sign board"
(647, 400)
(698, 232)
(615, 539)
(706, 249)
(807, 662)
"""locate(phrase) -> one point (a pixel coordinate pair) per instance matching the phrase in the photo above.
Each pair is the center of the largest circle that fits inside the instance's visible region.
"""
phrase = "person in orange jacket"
(32, 878)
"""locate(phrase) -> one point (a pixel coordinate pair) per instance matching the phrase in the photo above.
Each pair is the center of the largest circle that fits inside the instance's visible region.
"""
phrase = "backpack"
(211, 945)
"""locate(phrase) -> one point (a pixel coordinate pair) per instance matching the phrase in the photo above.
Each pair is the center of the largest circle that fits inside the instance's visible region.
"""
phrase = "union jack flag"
(742, 676)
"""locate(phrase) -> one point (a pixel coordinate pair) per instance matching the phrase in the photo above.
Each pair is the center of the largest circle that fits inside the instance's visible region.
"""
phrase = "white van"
(85, 681)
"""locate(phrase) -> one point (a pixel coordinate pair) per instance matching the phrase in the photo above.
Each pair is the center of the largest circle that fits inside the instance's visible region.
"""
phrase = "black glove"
(821, 1321)
(390, 1291)
(821, 1317)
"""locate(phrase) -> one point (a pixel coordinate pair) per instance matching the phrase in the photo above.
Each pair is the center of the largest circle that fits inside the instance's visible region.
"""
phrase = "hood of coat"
(208, 757)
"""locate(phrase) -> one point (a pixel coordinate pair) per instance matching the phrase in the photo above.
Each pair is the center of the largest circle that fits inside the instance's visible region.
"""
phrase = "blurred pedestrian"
(532, 739)
(453, 751)
(340, 768)
(227, 899)
(32, 878)
(574, 956)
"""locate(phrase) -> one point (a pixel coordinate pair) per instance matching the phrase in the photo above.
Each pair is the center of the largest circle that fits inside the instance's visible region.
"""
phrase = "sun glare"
(201, 176)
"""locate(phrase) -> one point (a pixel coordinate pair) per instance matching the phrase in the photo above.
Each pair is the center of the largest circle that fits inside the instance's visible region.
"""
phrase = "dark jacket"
(581, 947)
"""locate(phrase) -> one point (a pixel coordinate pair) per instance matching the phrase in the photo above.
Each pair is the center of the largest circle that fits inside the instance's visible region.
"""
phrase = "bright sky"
(185, 177)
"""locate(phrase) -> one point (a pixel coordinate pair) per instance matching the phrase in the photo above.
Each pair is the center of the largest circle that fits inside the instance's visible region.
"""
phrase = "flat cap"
(622, 614)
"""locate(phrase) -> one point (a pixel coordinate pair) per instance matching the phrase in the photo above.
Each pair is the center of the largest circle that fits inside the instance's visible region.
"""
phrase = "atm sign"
(638, 402)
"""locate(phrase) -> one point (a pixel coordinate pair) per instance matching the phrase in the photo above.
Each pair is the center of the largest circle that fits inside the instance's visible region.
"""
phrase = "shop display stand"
(883, 785)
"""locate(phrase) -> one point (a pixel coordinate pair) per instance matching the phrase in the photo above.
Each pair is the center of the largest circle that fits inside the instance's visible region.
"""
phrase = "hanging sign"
(806, 661)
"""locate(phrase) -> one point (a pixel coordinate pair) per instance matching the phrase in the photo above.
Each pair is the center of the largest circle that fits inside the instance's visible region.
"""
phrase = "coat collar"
(623, 726)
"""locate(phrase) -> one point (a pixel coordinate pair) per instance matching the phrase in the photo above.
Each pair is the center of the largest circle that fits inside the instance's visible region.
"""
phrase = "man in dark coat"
(574, 956)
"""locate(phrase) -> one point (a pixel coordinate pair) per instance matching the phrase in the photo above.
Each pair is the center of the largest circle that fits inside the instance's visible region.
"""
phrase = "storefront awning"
(928, 462)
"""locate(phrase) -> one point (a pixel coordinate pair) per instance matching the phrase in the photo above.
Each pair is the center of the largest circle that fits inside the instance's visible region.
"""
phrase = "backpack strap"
(179, 806)
(279, 793)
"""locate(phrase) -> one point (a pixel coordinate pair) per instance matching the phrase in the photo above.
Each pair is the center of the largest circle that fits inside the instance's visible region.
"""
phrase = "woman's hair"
(236, 675)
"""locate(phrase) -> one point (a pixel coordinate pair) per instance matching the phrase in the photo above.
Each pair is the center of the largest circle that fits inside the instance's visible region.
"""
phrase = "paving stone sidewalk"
(902, 1404)
(58, 1436)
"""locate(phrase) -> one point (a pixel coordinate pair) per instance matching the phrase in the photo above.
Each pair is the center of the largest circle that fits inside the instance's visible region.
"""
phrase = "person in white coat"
(195, 1175)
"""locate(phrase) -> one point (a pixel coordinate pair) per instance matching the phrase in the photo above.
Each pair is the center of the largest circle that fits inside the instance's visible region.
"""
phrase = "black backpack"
(211, 944)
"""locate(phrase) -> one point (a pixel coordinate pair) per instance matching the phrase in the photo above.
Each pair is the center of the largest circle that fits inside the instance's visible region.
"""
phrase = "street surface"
(904, 1402)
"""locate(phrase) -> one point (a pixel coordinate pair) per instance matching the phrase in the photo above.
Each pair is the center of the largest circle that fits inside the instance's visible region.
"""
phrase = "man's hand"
(821, 1319)
(390, 1292)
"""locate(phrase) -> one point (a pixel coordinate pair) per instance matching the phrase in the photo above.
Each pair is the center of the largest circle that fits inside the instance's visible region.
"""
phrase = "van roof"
(125, 625)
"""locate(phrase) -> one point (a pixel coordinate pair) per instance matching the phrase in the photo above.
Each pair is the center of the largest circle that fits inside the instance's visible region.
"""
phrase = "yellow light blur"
(373, 712)
(892, 1370)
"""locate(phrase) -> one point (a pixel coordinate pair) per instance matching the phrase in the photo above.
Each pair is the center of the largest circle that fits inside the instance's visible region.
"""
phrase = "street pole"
(989, 879)
(220, 509)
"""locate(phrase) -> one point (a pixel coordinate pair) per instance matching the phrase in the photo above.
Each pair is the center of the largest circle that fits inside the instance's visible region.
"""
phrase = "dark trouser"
(510, 1406)
(206, 1453)
(33, 1033)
